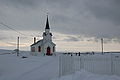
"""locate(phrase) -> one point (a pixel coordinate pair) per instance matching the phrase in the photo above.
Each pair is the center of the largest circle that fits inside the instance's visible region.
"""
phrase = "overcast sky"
(77, 20)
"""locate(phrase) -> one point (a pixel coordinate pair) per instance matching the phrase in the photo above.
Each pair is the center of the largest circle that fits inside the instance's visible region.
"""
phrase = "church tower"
(44, 46)
(47, 36)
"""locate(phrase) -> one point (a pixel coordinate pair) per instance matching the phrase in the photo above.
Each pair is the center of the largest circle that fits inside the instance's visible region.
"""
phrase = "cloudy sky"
(77, 25)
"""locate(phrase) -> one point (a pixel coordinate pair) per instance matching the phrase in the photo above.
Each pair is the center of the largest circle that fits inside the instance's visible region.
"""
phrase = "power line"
(11, 28)
(30, 36)
(5, 42)
(15, 30)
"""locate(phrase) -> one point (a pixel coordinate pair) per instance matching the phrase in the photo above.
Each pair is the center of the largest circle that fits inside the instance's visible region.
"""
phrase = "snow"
(2, 51)
(31, 68)
(40, 68)
(84, 75)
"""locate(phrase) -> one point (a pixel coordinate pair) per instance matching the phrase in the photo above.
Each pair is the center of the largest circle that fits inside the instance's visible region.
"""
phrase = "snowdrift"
(84, 75)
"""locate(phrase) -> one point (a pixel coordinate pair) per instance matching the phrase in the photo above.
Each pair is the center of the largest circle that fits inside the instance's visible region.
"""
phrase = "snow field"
(84, 75)
(31, 68)
(49, 67)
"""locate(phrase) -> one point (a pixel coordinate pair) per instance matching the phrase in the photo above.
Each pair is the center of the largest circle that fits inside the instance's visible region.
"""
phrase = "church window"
(39, 48)
(51, 34)
(33, 49)
(45, 34)
(53, 49)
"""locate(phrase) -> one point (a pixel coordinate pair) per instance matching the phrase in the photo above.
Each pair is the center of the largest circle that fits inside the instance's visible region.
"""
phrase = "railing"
(108, 64)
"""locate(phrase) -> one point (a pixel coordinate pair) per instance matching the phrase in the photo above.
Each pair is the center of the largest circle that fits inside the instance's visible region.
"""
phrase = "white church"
(44, 46)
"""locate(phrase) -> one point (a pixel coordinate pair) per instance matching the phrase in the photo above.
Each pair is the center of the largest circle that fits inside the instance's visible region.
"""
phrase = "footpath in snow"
(31, 68)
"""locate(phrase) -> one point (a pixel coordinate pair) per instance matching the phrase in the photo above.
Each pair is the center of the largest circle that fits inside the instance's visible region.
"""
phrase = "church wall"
(36, 50)
(51, 47)
(43, 48)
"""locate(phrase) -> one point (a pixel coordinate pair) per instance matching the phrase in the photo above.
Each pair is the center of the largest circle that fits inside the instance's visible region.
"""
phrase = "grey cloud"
(105, 9)
(36, 3)
(14, 44)
(3, 38)
(11, 43)
(106, 40)
(94, 18)
(71, 38)
(116, 40)
(20, 3)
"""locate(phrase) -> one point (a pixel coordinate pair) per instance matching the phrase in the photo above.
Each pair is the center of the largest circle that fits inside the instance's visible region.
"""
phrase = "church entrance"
(48, 51)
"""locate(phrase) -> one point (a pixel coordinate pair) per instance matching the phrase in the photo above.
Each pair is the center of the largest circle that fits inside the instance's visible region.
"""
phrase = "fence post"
(81, 62)
(59, 66)
(111, 64)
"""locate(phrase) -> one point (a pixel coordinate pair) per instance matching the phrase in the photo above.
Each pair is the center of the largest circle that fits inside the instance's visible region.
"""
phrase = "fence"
(99, 64)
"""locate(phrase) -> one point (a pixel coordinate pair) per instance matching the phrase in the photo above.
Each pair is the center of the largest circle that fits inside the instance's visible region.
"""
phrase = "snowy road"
(46, 71)
(32, 68)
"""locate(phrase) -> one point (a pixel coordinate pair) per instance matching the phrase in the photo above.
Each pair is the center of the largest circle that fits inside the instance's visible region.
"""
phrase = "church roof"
(47, 24)
(40, 41)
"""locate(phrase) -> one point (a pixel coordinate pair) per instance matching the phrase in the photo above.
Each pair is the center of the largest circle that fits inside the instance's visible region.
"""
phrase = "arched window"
(39, 48)
(32, 49)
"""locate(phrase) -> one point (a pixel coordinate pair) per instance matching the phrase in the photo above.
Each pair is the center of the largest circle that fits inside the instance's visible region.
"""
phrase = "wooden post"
(102, 45)
(17, 46)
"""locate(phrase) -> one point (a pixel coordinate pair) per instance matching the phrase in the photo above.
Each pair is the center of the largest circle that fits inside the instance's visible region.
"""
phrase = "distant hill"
(3, 51)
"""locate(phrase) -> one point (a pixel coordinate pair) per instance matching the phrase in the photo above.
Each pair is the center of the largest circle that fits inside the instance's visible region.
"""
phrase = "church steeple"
(47, 24)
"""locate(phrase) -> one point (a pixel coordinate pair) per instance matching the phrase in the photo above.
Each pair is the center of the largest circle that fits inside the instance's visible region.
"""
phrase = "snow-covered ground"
(84, 75)
(31, 68)
(40, 68)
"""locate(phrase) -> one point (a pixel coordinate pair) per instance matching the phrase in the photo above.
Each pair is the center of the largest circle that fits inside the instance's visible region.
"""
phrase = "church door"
(48, 51)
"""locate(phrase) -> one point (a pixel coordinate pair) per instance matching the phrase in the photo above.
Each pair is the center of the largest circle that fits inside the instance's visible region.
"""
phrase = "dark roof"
(41, 42)
(37, 42)
(47, 24)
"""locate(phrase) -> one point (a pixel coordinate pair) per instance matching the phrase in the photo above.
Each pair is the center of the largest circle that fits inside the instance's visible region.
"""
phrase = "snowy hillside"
(2, 51)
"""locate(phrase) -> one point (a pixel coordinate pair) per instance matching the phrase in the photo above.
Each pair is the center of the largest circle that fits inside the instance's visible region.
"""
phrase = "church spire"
(47, 24)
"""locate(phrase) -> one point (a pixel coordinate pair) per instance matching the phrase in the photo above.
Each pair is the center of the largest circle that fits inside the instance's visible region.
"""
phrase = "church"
(44, 46)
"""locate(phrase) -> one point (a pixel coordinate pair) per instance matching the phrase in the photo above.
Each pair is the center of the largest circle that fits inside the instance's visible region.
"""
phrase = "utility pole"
(17, 46)
(102, 45)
